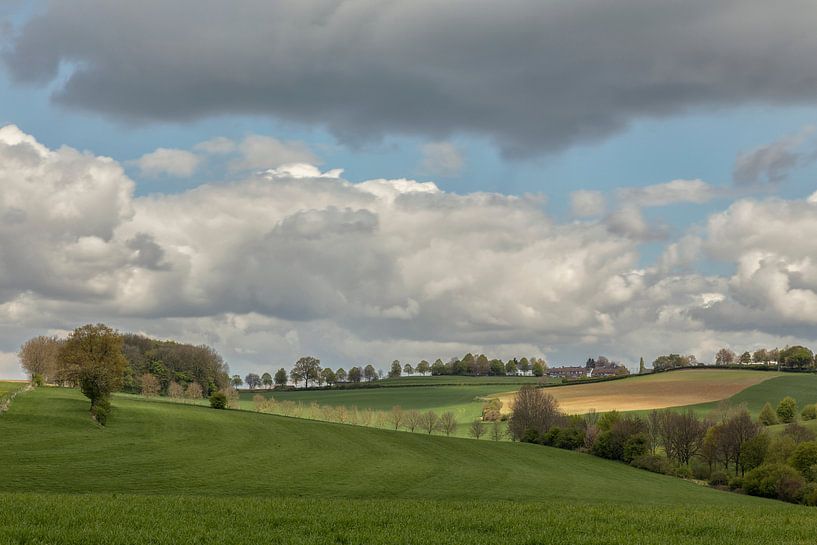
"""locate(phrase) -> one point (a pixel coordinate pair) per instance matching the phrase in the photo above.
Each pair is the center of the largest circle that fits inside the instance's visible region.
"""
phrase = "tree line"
(727, 448)
(790, 358)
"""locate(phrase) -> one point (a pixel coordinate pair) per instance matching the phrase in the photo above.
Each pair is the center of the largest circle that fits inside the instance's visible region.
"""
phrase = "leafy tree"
(92, 357)
(396, 370)
(538, 369)
(469, 364)
(510, 367)
(423, 367)
(370, 374)
(305, 369)
(809, 412)
(328, 376)
(438, 368)
(774, 481)
(804, 458)
(497, 368)
(524, 366)
(280, 378)
(733, 432)
(670, 361)
(150, 385)
(767, 415)
(724, 357)
(236, 381)
(745, 358)
(253, 381)
(218, 400)
(266, 380)
(39, 356)
(797, 357)
(408, 369)
(477, 428)
(448, 422)
(641, 368)
(787, 410)
(355, 374)
(753, 452)
(483, 365)
(340, 375)
(761, 355)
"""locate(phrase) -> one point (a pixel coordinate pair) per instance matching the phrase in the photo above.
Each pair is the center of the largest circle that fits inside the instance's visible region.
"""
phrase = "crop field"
(655, 391)
(172, 473)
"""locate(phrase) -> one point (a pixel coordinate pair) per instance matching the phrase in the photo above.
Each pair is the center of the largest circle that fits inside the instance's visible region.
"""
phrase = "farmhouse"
(567, 372)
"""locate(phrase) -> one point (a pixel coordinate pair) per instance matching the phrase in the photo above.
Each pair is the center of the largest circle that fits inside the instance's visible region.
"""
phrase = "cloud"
(295, 260)
(772, 163)
(585, 203)
(169, 162)
(674, 192)
(365, 69)
(263, 152)
(441, 159)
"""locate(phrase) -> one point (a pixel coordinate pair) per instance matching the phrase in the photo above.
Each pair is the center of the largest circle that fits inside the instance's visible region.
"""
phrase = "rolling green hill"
(168, 473)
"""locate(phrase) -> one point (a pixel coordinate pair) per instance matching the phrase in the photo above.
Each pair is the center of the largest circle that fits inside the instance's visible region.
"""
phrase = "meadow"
(7, 387)
(173, 473)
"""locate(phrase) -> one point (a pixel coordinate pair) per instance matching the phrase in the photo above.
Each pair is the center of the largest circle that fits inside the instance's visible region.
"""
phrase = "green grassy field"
(170, 473)
(456, 380)
(8, 387)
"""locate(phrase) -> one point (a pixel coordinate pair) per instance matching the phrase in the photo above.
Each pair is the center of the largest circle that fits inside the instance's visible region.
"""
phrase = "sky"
(366, 181)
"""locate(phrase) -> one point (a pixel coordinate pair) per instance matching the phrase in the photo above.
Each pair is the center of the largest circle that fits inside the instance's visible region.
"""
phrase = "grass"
(170, 473)
(7, 387)
(456, 380)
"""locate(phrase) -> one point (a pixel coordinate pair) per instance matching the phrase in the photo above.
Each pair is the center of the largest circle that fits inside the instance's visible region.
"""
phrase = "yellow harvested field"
(657, 391)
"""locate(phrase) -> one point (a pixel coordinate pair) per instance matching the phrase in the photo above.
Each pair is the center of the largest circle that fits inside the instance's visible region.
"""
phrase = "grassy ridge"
(166, 473)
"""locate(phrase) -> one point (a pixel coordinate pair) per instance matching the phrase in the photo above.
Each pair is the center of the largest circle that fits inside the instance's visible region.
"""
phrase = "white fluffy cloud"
(674, 192)
(295, 260)
(170, 162)
(585, 203)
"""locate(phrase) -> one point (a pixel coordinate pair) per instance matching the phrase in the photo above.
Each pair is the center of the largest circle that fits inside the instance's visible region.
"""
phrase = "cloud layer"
(533, 76)
(295, 260)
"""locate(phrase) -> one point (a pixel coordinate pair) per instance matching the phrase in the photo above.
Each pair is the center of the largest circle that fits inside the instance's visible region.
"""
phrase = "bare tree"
(175, 390)
(683, 435)
(429, 421)
(193, 391)
(533, 409)
(150, 385)
(411, 420)
(497, 430)
(38, 356)
(448, 422)
(396, 416)
(477, 428)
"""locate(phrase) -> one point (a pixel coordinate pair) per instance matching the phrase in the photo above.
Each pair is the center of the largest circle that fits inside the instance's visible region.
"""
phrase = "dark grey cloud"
(533, 76)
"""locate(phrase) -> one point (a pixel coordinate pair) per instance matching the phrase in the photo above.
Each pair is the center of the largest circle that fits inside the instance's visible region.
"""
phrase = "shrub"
(809, 412)
(767, 415)
(605, 447)
(780, 450)
(787, 410)
(810, 494)
(804, 457)
(37, 380)
(798, 433)
(719, 478)
(700, 471)
(682, 472)
(101, 410)
(753, 451)
(735, 483)
(218, 400)
(531, 436)
(651, 462)
(775, 481)
(635, 446)
(568, 438)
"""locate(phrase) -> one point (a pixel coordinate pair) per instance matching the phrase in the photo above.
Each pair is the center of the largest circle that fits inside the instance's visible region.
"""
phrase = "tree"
(396, 416)
(218, 400)
(787, 410)
(150, 385)
(423, 367)
(38, 356)
(428, 421)
(641, 368)
(408, 369)
(477, 428)
(538, 369)
(175, 390)
(305, 369)
(510, 367)
(438, 368)
(797, 357)
(497, 432)
(328, 376)
(483, 365)
(193, 391)
(761, 355)
(683, 435)
(524, 366)
(670, 361)
(266, 380)
(735, 431)
(767, 415)
(448, 422)
(411, 420)
(92, 357)
(745, 358)
(724, 357)
(340, 375)
(252, 380)
(497, 368)
(395, 370)
(533, 409)
(236, 381)
(370, 374)
(280, 378)
(355, 374)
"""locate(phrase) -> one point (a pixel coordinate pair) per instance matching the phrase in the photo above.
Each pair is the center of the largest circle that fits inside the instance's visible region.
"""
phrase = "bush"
(604, 446)
(809, 412)
(568, 438)
(767, 415)
(787, 410)
(101, 410)
(719, 478)
(775, 481)
(798, 433)
(700, 471)
(651, 462)
(682, 472)
(810, 494)
(530, 436)
(635, 446)
(735, 483)
(218, 400)
(37, 380)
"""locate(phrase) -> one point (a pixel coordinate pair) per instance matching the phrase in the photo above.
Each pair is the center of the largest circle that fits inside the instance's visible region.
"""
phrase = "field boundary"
(6, 399)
